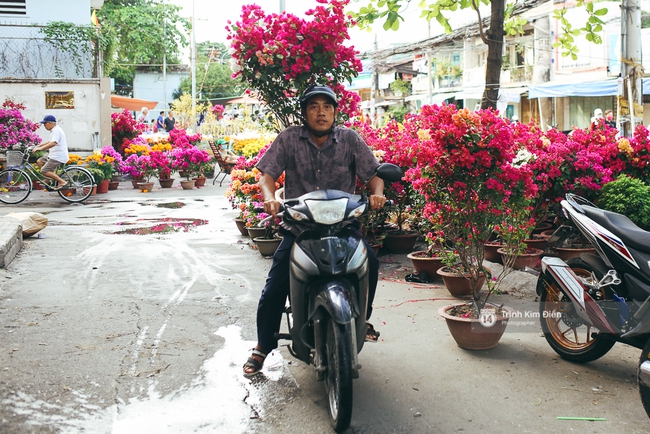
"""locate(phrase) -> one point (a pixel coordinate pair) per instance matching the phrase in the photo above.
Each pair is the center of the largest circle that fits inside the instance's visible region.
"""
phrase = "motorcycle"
(328, 297)
(587, 304)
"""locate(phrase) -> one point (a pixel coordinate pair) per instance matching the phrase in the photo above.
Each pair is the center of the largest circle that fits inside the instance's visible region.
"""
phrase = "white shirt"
(58, 152)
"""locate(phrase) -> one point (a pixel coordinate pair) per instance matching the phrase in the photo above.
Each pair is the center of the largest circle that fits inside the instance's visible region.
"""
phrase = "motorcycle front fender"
(337, 298)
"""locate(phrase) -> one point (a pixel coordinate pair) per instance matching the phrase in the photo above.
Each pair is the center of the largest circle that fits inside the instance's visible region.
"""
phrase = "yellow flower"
(424, 135)
(624, 146)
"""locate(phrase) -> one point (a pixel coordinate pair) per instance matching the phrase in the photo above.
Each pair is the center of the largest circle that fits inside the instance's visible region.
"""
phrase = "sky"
(212, 18)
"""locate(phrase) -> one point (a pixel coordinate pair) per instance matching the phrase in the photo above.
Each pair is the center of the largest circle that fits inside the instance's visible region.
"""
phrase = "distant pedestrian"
(597, 119)
(143, 115)
(170, 122)
(609, 119)
(160, 122)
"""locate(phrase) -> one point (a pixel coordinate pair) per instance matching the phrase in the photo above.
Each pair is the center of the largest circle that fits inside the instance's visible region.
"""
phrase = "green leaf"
(601, 12)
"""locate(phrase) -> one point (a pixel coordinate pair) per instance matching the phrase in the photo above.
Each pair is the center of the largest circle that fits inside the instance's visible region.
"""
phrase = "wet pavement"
(135, 313)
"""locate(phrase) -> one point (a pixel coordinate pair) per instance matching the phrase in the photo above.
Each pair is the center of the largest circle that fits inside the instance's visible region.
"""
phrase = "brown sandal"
(254, 364)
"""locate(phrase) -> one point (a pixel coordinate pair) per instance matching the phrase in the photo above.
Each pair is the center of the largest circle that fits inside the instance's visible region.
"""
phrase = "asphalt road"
(104, 330)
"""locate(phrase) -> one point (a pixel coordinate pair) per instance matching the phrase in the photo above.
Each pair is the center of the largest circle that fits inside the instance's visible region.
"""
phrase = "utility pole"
(631, 92)
(164, 62)
(282, 8)
(193, 58)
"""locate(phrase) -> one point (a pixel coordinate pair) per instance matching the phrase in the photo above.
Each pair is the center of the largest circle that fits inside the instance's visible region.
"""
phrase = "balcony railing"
(517, 74)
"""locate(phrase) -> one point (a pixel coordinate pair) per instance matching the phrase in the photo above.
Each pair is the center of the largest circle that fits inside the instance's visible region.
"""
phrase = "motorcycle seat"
(627, 231)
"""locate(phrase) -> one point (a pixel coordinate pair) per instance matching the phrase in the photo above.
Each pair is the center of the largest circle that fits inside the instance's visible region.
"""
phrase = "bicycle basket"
(14, 158)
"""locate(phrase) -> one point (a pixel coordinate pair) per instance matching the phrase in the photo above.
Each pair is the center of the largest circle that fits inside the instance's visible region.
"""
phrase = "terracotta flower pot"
(102, 187)
(256, 232)
(241, 226)
(491, 253)
(530, 258)
(267, 246)
(199, 182)
(537, 242)
(477, 334)
(566, 253)
(425, 263)
(145, 187)
(457, 284)
(187, 184)
(112, 185)
(400, 243)
(166, 183)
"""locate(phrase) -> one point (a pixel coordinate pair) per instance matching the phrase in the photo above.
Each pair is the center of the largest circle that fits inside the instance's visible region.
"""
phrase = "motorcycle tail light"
(327, 212)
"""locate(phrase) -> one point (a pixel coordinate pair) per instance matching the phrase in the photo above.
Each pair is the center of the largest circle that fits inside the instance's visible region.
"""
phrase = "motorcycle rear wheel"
(563, 329)
(644, 391)
(338, 380)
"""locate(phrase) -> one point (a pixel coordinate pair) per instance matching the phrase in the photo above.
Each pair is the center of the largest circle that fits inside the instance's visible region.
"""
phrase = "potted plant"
(110, 154)
(463, 169)
(268, 242)
(164, 167)
(98, 177)
(104, 163)
(123, 129)
(141, 168)
(405, 213)
(189, 161)
(16, 132)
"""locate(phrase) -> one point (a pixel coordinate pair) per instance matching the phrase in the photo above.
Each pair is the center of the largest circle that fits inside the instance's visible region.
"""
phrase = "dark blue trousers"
(276, 290)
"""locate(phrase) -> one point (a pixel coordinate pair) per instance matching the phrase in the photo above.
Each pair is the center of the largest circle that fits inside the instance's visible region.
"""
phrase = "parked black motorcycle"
(329, 289)
(589, 303)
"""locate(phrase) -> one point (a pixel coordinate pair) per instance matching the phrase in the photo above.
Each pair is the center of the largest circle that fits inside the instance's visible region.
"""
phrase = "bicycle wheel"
(80, 184)
(15, 186)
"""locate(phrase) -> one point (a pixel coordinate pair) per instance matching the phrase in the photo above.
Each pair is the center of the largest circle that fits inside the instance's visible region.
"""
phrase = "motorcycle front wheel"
(563, 329)
(338, 380)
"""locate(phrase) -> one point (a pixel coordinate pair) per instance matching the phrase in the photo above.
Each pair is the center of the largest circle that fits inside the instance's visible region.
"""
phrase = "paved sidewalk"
(11, 239)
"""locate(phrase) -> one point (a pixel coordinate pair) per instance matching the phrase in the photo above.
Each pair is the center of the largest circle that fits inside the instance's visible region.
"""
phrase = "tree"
(502, 22)
(145, 31)
(213, 74)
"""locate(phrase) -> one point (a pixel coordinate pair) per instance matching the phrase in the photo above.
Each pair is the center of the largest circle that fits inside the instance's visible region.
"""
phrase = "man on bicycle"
(58, 151)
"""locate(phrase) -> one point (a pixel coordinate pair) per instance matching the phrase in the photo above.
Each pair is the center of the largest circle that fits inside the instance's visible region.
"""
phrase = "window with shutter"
(13, 7)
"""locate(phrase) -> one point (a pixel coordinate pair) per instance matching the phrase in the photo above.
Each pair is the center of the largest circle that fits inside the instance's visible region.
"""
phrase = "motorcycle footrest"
(285, 336)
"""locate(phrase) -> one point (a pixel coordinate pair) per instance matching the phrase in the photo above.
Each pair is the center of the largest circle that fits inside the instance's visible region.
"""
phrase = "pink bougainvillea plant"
(280, 55)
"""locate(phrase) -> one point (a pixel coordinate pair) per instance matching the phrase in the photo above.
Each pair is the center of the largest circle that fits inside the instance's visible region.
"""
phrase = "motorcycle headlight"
(327, 212)
(358, 212)
(298, 216)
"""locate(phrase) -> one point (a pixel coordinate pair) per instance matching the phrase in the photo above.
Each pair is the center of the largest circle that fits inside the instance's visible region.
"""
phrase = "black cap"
(318, 90)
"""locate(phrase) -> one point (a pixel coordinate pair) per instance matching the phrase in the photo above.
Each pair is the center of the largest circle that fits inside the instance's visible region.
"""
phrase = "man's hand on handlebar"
(377, 202)
(272, 207)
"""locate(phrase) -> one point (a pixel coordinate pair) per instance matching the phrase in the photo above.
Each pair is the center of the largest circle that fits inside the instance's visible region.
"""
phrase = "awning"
(385, 103)
(475, 93)
(245, 99)
(589, 88)
(511, 94)
(134, 104)
(436, 98)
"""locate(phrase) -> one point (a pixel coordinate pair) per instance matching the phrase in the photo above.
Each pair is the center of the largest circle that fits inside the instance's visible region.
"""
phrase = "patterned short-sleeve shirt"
(337, 164)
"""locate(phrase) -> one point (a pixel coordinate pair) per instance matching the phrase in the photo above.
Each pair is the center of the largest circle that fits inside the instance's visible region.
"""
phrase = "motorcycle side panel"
(586, 307)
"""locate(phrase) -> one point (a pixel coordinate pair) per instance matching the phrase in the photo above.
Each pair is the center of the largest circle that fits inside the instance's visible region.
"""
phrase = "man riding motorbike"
(315, 156)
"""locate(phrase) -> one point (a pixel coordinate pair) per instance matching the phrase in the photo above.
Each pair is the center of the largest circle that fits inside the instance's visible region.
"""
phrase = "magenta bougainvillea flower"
(280, 55)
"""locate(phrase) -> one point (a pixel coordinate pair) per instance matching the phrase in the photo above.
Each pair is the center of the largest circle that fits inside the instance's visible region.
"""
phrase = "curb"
(11, 240)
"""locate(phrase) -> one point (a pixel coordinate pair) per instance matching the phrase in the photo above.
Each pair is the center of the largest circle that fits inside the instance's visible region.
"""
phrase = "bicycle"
(16, 181)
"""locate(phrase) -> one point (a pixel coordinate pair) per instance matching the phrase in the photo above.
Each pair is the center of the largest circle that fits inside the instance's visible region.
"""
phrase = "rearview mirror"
(389, 172)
